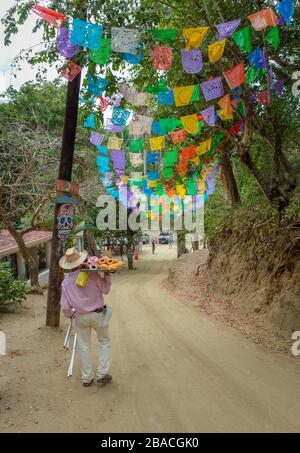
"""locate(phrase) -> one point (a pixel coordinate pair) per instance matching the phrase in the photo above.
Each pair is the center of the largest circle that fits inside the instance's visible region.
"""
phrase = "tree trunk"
(181, 248)
(90, 243)
(246, 159)
(33, 265)
(229, 179)
(29, 256)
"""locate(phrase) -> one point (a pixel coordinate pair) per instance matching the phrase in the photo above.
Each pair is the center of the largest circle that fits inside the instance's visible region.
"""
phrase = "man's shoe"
(105, 379)
(88, 384)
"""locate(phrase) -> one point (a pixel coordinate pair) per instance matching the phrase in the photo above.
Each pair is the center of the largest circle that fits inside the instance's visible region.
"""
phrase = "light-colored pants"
(84, 325)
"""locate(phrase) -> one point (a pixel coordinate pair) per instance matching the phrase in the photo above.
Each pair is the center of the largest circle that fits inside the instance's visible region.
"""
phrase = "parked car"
(146, 238)
(164, 238)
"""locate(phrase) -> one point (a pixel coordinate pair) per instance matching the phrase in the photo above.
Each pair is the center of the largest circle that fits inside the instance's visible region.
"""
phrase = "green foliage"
(12, 292)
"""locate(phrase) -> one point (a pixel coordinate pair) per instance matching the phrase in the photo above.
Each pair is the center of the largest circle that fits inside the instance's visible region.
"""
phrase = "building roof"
(8, 245)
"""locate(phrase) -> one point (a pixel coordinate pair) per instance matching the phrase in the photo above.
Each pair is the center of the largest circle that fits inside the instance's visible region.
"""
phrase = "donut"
(102, 260)
(110, 261)
(93, 259)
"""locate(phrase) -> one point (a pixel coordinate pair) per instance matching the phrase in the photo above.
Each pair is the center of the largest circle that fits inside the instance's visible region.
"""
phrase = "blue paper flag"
(286, 9)
(152, 158)
(165, 97)
(96, 85)
(90, 121)
(156, 129)
(102, 161)
(102, 149)
(137, 58)
(152, 175)
(256, 58)
(120, 116)
(85, 34)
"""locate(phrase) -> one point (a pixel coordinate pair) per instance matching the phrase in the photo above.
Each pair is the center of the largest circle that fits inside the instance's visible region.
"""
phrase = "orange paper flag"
(263, 19)
(235, 76)
(225, 104)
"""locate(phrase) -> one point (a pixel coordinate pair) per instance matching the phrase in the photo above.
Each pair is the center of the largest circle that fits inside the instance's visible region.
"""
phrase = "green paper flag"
(241, 108)
(196, 94)
(158, 88)
(168, 124)
(242, 39)
(217, 140)
(168, 172)
(170, 158)
(273, 37)
(251, 75)
(191, 187)
(164, 35)
(261, 73)
(101, 55)
(136, 145)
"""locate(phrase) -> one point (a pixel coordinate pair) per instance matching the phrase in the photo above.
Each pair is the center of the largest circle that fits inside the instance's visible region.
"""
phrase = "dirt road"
(174, 369)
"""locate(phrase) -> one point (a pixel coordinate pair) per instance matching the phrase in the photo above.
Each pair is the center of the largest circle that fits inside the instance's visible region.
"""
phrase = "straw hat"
(72, 258)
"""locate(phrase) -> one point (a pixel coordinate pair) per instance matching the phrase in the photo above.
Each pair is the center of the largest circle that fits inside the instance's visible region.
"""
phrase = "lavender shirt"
(83, 300)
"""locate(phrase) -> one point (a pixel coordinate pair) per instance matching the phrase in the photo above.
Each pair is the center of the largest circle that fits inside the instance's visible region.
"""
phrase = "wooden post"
(65, 173)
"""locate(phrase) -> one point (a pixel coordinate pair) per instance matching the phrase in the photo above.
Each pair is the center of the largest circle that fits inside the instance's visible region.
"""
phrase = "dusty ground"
(175, 369)
(188, 279)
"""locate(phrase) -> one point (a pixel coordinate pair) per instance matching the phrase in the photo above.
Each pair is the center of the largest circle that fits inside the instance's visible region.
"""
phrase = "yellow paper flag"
(114, 143)
(190, 123)
(216, 50)
(157, 143)
(225, 115)
(182, 95)
(152, 183)
(194, 36)
(180, 189)
(203, 147)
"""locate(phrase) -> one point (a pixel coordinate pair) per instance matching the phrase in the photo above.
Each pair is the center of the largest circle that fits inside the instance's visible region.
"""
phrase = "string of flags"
(171, 171)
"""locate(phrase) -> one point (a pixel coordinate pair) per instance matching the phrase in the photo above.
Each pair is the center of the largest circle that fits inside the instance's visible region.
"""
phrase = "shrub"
(12, 292)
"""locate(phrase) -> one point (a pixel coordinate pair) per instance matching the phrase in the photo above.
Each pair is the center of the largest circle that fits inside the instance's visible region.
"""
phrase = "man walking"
(153, 245)
(87, 306)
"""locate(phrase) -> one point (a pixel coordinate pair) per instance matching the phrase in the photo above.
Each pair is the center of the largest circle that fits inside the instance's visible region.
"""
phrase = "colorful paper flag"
(157, 143)
(212, 89)
(194, 36)
(235, 76)
(209, 115)
(226, 29)
(86, 34)
(286, 10)
(273, 37)
(242, 39)
(161, 57)
(192, 61)
(53, 17)
(190, 123)
(262, 19)
(216, 50)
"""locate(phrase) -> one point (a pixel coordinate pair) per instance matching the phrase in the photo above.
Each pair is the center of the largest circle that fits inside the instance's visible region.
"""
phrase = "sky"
(22, 40)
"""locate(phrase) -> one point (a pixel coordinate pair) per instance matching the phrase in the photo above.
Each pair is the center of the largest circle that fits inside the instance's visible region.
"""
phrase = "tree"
(26, 182)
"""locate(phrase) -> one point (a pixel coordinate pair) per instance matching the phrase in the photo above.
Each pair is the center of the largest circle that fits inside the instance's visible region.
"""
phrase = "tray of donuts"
(106, 264)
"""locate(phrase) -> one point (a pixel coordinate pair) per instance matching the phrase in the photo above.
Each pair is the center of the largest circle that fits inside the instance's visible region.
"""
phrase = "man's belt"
(99, 310)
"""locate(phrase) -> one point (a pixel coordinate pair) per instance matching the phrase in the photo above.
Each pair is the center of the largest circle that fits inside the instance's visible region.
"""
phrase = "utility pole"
(64, 173)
